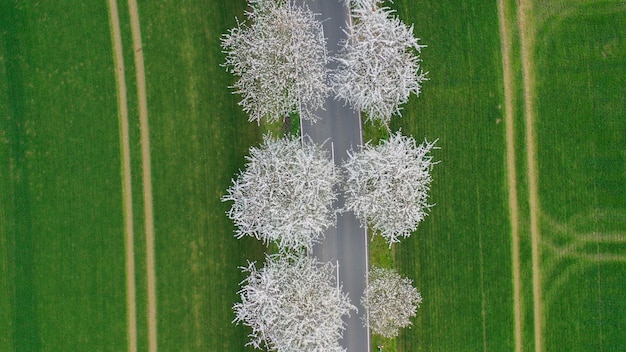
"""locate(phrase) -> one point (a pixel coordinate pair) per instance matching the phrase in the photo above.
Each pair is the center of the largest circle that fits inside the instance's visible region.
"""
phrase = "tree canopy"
(379, 64)
(391, 301)
(285, 194)
(387, 185)
(293, 304)
(279, 55)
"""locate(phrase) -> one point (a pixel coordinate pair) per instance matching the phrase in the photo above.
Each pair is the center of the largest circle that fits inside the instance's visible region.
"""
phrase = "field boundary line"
(127, 202)
(505, 37)
(147, 173)
(525, 6)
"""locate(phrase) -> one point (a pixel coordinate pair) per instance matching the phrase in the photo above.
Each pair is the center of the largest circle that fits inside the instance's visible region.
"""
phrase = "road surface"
(339, 128)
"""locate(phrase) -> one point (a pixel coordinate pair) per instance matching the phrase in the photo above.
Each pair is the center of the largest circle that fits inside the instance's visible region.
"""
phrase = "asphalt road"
(339, 128)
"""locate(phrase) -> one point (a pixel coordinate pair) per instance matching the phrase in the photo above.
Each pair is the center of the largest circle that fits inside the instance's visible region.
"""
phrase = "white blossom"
(391, 301)
(279, 55)
(378, 66)
(387, 185)
(293, 304)
(286, 193)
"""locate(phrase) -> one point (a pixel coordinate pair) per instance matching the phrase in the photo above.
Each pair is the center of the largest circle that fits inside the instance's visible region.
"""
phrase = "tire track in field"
(147, 173)
(505, 37)
(527, 45)
(127, 202)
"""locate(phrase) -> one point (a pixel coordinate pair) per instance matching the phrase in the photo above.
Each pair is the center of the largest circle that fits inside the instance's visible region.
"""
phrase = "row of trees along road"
(279, 56)
(287, 191)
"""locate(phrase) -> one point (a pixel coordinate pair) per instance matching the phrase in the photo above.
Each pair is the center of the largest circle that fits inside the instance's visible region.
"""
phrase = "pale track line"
(483, 300)
(511, 172)
(527, 45)
(576, 252)
(601, 237)
(118, 58)
(147, 173)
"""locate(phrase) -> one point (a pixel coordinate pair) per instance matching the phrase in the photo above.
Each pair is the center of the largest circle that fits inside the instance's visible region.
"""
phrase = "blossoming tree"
(279, 55)
(391, 301)
(387, 185)
(285, 194)
(379, 64)
(293, 304)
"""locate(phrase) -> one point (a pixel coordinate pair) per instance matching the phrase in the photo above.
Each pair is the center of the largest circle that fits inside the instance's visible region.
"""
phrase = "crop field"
(74, 194)
(460, 257)
(200, 137)
(580, 129)
(524, 249)
(61, 222)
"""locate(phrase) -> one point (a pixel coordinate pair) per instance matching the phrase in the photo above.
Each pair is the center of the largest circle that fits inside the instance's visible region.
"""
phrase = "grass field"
(60, 227)
(199, 138)
(62, 224)
(581, 149)
(460, 257)
(569, 179)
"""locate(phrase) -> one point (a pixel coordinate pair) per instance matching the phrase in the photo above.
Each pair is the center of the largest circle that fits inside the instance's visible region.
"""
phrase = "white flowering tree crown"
(379, 64)
(285, 193)
(279, 55)
(391, 301)
(387, 186)
(293, 304)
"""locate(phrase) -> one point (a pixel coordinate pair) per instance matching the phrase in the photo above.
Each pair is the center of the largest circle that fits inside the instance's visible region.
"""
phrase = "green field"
(62, 255)
(461, 256)
(62, 252)
(581, 148)
(200, 136)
